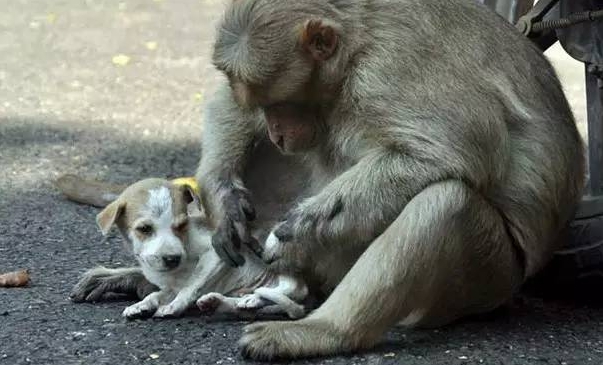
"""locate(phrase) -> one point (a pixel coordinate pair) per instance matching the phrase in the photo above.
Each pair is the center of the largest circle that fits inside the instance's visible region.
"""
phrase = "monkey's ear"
(110, 215)
(320, 40)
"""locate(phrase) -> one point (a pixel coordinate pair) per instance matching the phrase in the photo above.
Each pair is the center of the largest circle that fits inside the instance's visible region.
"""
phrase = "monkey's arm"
(229, 134)
(353, 209)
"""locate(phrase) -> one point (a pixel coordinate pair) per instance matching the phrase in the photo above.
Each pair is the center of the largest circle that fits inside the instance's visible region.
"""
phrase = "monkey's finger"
(228, 256)
(235, 256)
(255, 247)
(248, 209)
(233, 209)
(223, 255)
(242, 233)
(244, 205)
(284, 232)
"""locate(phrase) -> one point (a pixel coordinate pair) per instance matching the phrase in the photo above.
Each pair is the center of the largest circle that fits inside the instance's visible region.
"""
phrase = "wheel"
(576, 270)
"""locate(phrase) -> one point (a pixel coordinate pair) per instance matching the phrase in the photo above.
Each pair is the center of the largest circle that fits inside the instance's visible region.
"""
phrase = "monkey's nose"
(171, 261)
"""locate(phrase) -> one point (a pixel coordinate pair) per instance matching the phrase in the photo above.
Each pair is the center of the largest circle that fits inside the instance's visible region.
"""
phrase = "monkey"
(444, 161)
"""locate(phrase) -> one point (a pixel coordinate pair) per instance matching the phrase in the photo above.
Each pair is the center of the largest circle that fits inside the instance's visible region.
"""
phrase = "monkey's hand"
(233, 228)
(357, 206)
(282, 251)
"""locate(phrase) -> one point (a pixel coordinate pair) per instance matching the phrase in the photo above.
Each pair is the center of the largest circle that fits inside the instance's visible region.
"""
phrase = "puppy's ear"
(194, 207)
(110, 215)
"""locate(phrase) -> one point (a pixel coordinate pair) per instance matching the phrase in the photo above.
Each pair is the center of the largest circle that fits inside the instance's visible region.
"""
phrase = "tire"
(575, 271)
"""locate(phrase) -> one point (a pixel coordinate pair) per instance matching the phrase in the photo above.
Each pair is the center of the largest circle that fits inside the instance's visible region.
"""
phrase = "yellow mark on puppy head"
(191, 182)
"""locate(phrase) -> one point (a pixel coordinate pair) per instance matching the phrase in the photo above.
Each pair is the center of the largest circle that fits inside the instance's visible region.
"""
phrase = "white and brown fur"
(169, 234)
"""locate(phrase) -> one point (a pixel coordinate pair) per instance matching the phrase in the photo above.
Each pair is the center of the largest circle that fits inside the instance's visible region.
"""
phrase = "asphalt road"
(112, 90)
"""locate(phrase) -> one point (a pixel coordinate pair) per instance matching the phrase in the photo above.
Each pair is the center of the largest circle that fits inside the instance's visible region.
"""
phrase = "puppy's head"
(154, 215)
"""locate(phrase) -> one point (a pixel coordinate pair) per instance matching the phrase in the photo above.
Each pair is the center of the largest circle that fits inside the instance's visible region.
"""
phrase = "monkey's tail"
(89, 192)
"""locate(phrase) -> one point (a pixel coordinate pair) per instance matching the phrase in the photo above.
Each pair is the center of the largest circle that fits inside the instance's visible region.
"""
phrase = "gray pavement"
(69, 102)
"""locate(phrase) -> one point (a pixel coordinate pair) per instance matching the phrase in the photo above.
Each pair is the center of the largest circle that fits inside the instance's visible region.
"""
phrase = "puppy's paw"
(138, 310)
(171, 310)
(251, 302)
(209, 303)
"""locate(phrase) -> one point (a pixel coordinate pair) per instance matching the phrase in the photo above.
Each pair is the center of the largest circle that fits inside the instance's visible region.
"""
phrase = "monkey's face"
(273, 54)
(292, 127)
(286, 100)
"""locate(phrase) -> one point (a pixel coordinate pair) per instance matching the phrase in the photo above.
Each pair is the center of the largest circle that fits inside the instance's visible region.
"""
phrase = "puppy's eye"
(145, 229)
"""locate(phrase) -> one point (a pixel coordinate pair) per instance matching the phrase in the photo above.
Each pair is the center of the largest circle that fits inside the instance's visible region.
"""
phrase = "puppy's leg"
(147, 306)
(245, 306)
(252, 302)
(208, 272)
(287, 287)
(211, 303)
(285, 296)
(447, 255)
(97, 282)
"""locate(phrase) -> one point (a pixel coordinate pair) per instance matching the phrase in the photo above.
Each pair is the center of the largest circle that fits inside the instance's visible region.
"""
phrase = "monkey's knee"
(446, 256)
(468, 263)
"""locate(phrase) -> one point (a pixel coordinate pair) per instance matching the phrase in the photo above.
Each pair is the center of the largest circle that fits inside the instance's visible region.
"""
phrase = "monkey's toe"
(290, 339)
(260, 342)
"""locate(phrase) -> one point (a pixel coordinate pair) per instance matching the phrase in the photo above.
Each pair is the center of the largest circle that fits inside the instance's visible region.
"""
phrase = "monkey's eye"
(145, 229)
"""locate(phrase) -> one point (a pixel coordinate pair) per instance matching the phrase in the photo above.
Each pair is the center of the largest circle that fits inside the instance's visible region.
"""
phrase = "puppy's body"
(171, 239)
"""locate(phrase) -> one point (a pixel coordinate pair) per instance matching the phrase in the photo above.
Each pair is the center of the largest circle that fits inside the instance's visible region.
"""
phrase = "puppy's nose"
(171, 261)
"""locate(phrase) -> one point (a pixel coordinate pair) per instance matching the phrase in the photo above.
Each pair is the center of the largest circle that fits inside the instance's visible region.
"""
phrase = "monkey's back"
(487, 103)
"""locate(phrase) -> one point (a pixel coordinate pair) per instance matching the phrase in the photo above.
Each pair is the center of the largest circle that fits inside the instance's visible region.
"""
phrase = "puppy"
(165, 224)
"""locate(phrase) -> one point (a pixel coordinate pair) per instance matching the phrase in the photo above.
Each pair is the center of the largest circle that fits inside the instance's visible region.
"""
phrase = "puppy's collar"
(191, 182)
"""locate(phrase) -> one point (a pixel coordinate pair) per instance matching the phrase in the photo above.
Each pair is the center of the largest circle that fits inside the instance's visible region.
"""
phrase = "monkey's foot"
(291, 339)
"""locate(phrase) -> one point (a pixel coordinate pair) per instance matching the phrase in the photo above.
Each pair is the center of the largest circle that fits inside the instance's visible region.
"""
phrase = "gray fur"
(433, 111)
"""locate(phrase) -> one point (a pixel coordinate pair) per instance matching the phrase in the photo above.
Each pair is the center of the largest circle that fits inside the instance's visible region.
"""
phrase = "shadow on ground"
(57, 240)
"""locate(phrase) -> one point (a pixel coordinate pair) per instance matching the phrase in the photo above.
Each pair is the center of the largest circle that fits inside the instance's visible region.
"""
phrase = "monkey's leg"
(97, 282)
(445, 256)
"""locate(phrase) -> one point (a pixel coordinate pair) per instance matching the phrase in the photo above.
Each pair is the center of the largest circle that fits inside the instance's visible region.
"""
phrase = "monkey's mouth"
(291, 126)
